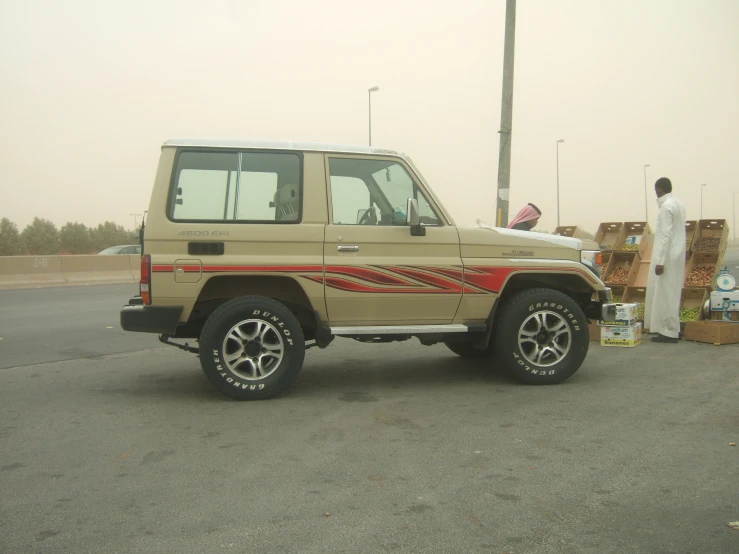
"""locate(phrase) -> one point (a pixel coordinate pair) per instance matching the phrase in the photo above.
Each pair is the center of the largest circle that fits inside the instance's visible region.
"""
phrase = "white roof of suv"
(279, 145)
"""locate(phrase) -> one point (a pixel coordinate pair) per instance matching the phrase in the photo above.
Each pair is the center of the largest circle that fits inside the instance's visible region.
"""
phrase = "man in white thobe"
(664, 288)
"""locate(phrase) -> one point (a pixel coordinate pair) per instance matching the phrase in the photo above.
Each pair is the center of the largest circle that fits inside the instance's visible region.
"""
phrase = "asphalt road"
(52, 324)
(375, 448)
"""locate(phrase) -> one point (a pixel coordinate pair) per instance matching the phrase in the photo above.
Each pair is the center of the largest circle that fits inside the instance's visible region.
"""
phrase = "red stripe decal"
(367, 274)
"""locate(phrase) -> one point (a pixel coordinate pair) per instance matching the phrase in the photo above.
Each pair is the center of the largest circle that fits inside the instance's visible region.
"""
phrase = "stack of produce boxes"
(620, 326)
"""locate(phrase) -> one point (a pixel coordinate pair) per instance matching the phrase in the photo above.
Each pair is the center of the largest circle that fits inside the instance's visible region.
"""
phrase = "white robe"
(662, 304)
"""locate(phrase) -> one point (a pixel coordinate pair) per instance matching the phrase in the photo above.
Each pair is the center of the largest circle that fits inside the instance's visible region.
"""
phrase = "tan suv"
(261, 250)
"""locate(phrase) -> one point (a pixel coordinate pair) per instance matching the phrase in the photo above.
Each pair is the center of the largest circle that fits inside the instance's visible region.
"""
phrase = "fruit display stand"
(691, 304)
(711, 236)
(618, 268)
(639, 230)
(607, 235)
(701, 270)
(639, 275)
(690, 227)
(569, 231)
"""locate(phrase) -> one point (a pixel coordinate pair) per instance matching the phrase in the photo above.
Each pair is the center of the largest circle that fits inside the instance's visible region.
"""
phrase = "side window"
(255, 187)
(349, 198)
(374, 192)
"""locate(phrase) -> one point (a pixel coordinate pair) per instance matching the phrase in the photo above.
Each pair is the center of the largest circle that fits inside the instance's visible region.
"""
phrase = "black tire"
(469, 352)
(563, 351)
(249, 369)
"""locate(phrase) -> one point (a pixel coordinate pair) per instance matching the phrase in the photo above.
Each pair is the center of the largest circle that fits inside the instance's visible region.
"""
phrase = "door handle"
(346, 248)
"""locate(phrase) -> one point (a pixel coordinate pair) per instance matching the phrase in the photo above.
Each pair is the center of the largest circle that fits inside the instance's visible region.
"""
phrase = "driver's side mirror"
(413, 219)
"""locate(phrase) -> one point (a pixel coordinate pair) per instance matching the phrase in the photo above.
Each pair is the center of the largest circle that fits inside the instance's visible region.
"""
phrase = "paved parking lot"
(399, 448)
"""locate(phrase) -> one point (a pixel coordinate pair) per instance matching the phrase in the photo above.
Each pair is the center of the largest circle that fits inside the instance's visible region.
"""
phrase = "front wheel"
(252, 348)
(542, 336)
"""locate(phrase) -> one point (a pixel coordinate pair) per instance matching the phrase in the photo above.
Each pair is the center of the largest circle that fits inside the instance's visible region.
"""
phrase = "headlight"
(593, 259)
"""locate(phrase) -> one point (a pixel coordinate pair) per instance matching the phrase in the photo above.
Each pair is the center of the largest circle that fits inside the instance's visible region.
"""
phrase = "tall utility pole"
(135, 220)
(646, 201)
(558, 142)
(702, 187)
(506, 115)
(369, 95)
(733, 212)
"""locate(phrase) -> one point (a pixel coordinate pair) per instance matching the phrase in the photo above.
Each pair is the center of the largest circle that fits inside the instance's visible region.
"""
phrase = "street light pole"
(733, 213)
(135, 220)
(369, 97)
(560, 140)
(646, 200)
(703, 185)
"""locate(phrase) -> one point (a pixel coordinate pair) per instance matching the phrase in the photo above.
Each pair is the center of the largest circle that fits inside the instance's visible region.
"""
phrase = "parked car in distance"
(126, 249)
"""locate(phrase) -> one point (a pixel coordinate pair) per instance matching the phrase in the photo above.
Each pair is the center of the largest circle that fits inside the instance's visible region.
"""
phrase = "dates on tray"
(707, 245)
(618, 276)
(701, 276)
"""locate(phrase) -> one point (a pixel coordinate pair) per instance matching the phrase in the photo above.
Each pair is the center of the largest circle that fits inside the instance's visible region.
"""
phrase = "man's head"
(532, 223)
(662, 186)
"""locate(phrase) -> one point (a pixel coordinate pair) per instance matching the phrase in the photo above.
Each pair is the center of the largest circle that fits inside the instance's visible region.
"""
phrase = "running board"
(406, 329)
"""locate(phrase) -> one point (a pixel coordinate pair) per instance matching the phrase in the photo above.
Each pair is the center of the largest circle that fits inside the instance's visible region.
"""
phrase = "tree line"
(42, 238)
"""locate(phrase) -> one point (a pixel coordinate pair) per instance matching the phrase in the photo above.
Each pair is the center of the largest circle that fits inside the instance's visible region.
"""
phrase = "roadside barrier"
(40, 271)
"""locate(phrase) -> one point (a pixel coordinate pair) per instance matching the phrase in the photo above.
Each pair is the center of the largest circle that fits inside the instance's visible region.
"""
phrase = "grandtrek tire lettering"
(539, 337)
(252, 348)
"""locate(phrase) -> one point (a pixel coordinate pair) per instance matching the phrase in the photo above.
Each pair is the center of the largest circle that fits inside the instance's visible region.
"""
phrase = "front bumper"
(139, 318)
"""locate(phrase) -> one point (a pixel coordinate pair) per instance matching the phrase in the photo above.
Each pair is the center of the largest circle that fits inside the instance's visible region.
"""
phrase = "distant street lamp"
(560, 140)
(702, 186)
(646, 201)
(369, 95)
(135, 220)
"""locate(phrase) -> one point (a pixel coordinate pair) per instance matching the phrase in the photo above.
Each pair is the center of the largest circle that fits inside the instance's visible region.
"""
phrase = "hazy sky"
(90, 90)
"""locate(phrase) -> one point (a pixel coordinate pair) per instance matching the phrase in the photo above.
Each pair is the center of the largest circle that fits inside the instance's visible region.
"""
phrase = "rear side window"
(251, 187)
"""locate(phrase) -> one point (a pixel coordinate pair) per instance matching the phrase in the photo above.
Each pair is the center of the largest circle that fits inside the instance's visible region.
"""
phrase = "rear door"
(376, 272)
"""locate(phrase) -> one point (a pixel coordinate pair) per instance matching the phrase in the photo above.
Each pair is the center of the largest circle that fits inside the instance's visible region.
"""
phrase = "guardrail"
(40, 271)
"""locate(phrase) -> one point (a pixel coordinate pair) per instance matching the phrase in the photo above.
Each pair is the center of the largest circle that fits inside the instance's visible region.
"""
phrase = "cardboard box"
(725, 301)
(712, 228)
(618, 315)
(730, 317)
(703, 260)
(607, 235)
(569, 231)
(639, 276)
(694, 297)
(626, 337)
(638, 296)
(712, 332)
(617, 291)
(631, 236)
(690, 227)
(618, 260)
(594, 330)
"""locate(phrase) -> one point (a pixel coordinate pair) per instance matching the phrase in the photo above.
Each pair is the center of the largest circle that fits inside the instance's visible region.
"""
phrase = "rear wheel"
(252, 348)
(542, 336)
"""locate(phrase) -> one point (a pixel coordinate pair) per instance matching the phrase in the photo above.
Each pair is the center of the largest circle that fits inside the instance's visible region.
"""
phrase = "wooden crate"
(690, 227)
(619, 260)
(693, 297)
(607, 235)
(713, 229)
(699, 260)
(569, 231)
(636, 295)
(640, 270)
(632, 228)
